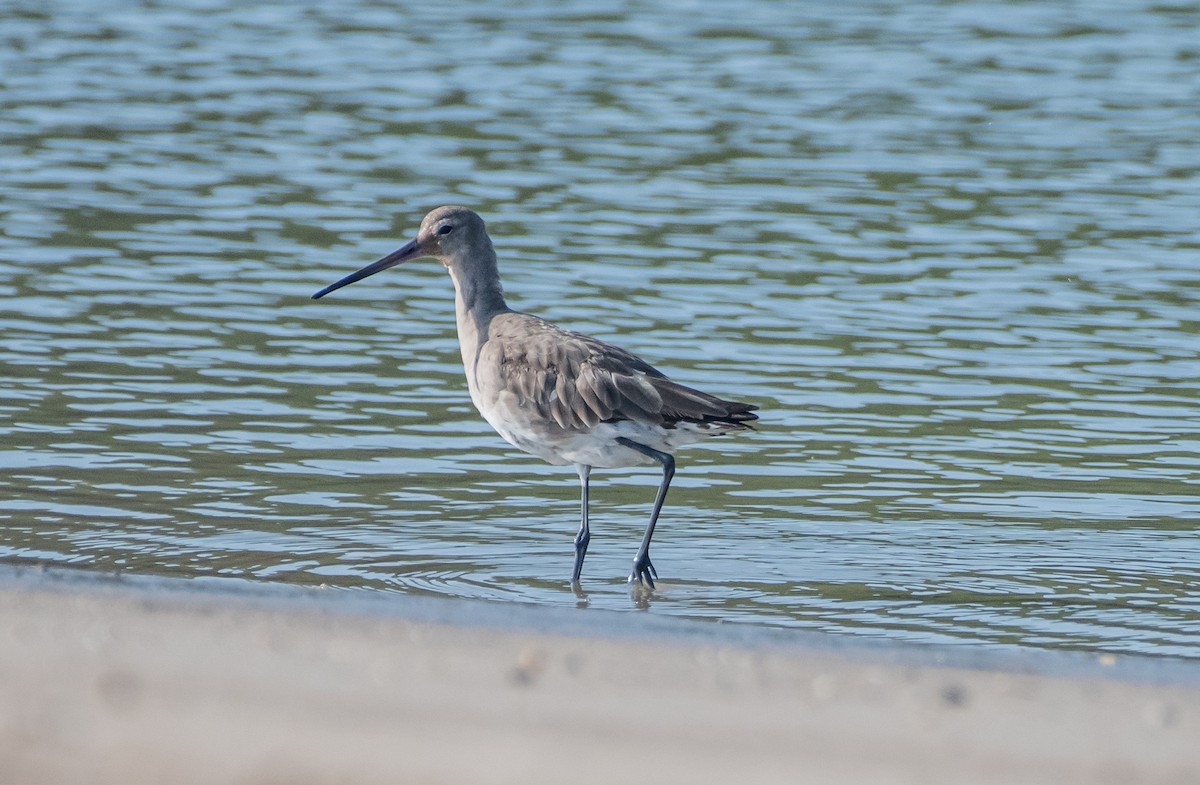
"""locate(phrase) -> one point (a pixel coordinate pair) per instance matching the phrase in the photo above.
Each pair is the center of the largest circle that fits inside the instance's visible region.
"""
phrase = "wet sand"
(170, 681)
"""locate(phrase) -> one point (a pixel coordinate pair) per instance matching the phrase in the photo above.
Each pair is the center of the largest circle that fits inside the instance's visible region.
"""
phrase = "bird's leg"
(643, 570)
(585, 534)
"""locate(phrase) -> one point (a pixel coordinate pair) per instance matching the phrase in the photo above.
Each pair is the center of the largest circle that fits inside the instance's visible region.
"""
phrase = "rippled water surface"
(951, 249)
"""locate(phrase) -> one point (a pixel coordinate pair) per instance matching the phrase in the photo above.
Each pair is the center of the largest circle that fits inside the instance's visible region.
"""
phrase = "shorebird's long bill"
(409, 251)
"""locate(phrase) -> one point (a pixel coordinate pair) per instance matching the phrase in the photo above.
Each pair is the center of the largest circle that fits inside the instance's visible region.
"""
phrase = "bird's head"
(449, 233)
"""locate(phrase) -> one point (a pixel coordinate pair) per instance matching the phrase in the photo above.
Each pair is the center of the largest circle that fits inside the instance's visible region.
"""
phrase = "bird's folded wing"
(579, 381)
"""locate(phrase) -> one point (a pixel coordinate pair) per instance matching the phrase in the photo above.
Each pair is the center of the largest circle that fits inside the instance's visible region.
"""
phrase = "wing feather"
(578, 382)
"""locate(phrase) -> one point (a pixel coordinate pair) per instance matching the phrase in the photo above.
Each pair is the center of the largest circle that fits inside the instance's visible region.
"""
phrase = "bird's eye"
(447, 229)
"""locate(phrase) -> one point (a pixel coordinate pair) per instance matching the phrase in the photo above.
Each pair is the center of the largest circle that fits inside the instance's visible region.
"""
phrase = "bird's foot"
(643, 571)
(581, 544)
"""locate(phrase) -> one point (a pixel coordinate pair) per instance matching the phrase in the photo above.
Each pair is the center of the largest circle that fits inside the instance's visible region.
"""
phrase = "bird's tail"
(684, 404)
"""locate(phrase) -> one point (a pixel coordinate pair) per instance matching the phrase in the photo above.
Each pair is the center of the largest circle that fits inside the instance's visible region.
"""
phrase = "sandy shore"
(152, 681)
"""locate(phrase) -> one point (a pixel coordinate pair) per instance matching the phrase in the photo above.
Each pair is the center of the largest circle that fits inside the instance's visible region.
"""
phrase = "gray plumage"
(579, 381)
(563, 396)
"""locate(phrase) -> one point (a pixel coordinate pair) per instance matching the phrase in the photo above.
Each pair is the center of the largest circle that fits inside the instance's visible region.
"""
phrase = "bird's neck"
(478, 297)
(477, 287)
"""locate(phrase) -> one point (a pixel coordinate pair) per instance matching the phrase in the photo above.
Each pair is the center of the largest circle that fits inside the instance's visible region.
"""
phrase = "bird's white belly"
(597, 447)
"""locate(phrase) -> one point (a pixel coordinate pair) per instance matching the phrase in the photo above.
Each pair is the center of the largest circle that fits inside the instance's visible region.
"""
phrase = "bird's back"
(576, 382)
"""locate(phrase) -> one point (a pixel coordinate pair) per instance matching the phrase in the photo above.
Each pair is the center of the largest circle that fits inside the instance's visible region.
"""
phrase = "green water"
(951, 249)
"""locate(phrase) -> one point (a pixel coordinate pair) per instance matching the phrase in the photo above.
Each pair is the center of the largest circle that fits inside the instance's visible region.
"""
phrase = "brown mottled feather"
(580, 381)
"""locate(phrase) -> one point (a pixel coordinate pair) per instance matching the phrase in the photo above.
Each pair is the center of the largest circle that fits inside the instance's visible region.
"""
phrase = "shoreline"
(120, 678)
(595, 623)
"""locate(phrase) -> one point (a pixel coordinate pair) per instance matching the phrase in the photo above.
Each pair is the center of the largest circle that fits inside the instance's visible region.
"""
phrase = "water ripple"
(950, 250)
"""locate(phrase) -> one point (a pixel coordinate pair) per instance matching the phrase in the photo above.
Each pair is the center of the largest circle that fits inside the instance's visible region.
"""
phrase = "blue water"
(950, 249)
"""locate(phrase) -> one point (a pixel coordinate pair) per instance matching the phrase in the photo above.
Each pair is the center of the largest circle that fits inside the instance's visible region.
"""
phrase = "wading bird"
(560, 395)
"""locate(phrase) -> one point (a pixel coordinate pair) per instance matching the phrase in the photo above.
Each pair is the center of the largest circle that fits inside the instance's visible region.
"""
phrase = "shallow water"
(950, 249)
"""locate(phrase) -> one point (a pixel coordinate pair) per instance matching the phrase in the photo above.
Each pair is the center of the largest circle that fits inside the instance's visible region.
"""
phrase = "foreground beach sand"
(118, 680)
